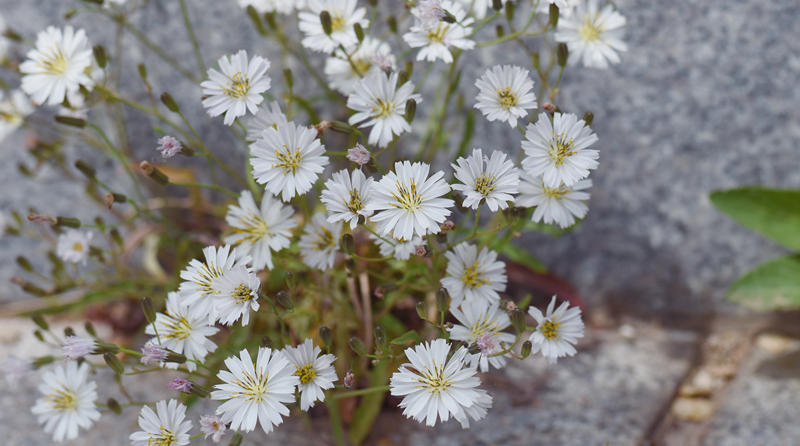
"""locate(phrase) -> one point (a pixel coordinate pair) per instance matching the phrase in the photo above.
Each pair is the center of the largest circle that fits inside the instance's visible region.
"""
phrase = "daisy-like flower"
(593, 35)
(255, 392)
(270, 116)
(344, 15)
(13, 111)
(371, 56)
(506, 93)
(196, 288)
(212, 426)
(68, 401)
(238, 88)
(433, 386)
(559, 205)
(379, 103)
(168, 146)
(346, 195)
(359, 154)
(166, 426)
(73, 246)
(474, 275)
(76, 347)
(494, 180)
(482, 323)
(557, 330)
(279, 6)
(559, 150)
(400, 250)
(320, 242)
(183, 330)
(258, 232)
(437, 41)
(409, 203)
(288, 160)
(237, 295)
(315, 371)
(59, 64)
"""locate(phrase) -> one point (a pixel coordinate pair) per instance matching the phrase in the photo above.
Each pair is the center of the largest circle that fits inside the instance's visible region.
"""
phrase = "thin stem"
(359, 392)
(190, 30)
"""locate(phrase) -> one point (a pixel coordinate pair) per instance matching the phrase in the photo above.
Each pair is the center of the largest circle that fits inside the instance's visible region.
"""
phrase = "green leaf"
(772, 285)
(774, 213)
(410, 335)
(519, 255)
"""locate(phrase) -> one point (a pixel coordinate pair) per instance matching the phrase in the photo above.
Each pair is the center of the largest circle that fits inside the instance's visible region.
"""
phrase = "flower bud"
(341, 127)
(535, 60)
(113, 197)
(100, 55)
(403, 77)
(105, 347)
(563, 54)
(71, 121)
(153, 172)
(181, 385)
(115, 235)
(43, 361)
(266, 341)
(497, 5)
(549, 107)
(253, 14)
(24, 263)
(142, 69)
(38, 335)
(327, 23)
(270, 18)
(526, 349)
(89, 327)
(499, 31)
(349, 380)
(40, 322)
(448, 17)
(359, 32)
(114, 406)
(114, 363)
(411, 109)
(170, 103)
(553, 15)
(69, 331)
(288, 77)
(70, 222)
(373, 3)
(443, 300)
(420, 307)
(518, 320)
(147, 309)
(284, 299)
(588, 118)
(236, 440)
(392, 23)
(510, 12)
(347, 243)
(175, 357)
(357, 345)
(325, 336)
(87, 170)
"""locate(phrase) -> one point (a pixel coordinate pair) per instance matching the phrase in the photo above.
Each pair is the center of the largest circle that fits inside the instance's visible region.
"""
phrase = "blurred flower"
(346, 195)
(557, 330)
(212, 426)
(58, 65)
(14, 369)
(344, 15)
(474, 275)
(258, 232)
(76, 347)
(428, 13)
(164, 426)
(379, 103)
(320, 242)
(494, 180)
(180, 384)
(68, 401)
(371, 56)
(482, 323)
(315, 371)
(236, 295)
(73, 246)
(506, 92)
(153, 353)
(559, 205)
(593, 35)
(436, 42)
(13, 111)
(238, 89)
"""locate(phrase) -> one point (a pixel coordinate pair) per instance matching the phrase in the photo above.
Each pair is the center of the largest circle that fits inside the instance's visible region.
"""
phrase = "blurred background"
(706, 98)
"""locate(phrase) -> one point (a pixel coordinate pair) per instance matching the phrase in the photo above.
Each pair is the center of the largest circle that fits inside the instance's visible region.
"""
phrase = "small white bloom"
(559, 205)
(168, 146)
(346, 195)
(320, 242)
(433, 386)
(401, 250)
(409, 203)
(258, 232)
(59, 64)
(344, 15)
(238, 88)
(379, 103)
(15, 369)
(184, 331)
(196, 288)
(428, 13)
(474, 275)
(76, 347)
(436, 42)
(255, 393)
(494, 180)
(359, 154)
(13, 111)
(68, 401)
(237, 295)
(288, 160)
(166, 426)
(279, 6)
(152, 353)
(593, 35)
(559, 150)
(557, 330)
(371, 56)
(315, 371)
(212, 426)
(506, 93)
(482, 323)
(270, 116)
(73, 246)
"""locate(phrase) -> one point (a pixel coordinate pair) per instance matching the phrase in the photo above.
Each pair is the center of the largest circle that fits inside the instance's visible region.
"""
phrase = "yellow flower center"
(242, 294)
(472, 276)
(506, 98)
(561, 148)
(238, 87)
(324, 240)
(63, 399)
(589, 31)
(255, 228)
(78, 246)
(407, 197)
(337, 22)
(383, 109)
(165, 437)
(549, 329)
(433, 380)
(289, 161)
(306, 373)
(555, 192)
(437, 35)
(177, 328)
(56, 62)
(485, 184)
(255, 387)
(354, 204)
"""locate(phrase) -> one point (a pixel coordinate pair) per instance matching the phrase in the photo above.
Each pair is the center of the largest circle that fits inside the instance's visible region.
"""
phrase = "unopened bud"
(113, 197)
(270, 18)
(89, 327)
(71, 121)
(588, 118)
(497, 5)
(87, 170)
(553, 15)
(284, 299)
(69, 331)
(499, 31)
(153, 172)
(327, 23)
(341, 127)
(448, 17)
(325, 336)
(447, 226)
(70, 222)
(169, 102)
(142, 69)
(510, 12)
(420, 307)
(175, 357)
(563, 54)
(392, 23)
(357, 345)
(349, 380)
(236, 440)
(518, 320)
(38, 335)
(526, 349)
(288, 78)
(359, 31)
(147, 309)
(24, 263)
(443, 300)
(253, 14)
(411, 109)
(266, 342)
(100, 55)
(114, 363)
(347, 243)
(43, 361)
(115, 235)
(40, 322)
(549, 107)
(421, 251)
(535, 59)
(114, 406)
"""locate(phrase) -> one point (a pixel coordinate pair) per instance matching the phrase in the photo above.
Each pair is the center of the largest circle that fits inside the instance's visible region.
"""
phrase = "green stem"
(190, 30)
(359, 392)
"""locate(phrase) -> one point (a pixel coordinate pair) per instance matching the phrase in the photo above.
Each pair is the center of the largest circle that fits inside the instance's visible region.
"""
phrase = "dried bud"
(327, 22)
(526, 349)
(510, 306)
(266, 341)
(147, 309)
(113, 197)
(443, 300)
(153, 172)
(181, 385)
(357, 345)
(325, 336)
(448, 225)
(114, 406)
(349, 380)
(359, 155)
(421, 251)
(549, 107)
(379, 292)
(114, 363)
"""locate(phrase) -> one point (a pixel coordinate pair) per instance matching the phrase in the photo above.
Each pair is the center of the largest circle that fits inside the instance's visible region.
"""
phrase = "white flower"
(168, 146)
(279, 6)
(58, 65)
(183, 330)
(474, 275)
(255, 392)
(482, 323)
(436, 42)
(593, 35)
(258, 232)
(73, 246)
(359, 154)
(320, 242)
(166, 426)
(559, 150)
(371, 56)
(238, 88)
(346, 195)
(76, 347)
(433, 386)
(559, 205)
(270, 116)
(401, 250)
(288, 160)
(237, 295)
(198, 276)
(428, 13)
(379, 103)
(344, 15)
(68, 401)
(506, 93)
(212, 426)
(557, 331)
(409, 202)
(494, 180)
(13, 111)
(15, 369)
(315, 371)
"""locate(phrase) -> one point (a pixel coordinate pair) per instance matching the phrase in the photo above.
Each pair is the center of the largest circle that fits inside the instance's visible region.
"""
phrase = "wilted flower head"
(212, 426)
(358, 154)
(180, 384)
(153, 353)
(76, 347)
(168, 146)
